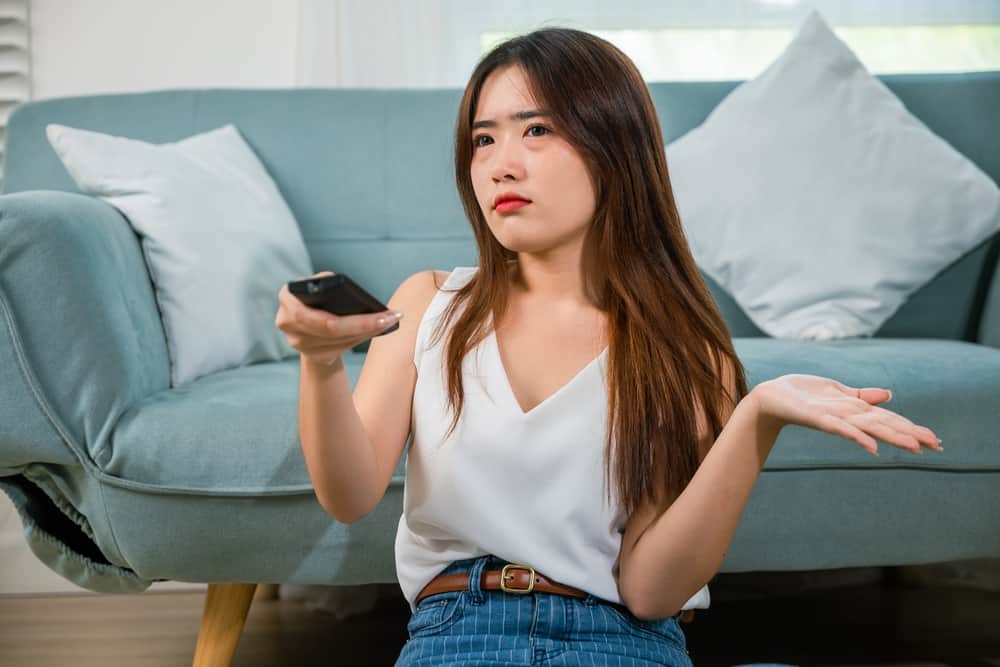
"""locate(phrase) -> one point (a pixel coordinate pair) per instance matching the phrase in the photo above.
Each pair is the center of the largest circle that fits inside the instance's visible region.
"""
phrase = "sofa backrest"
(368, 173)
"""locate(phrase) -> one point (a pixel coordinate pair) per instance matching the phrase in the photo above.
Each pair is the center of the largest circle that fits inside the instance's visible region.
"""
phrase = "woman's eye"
(544, 129)
(477, 141)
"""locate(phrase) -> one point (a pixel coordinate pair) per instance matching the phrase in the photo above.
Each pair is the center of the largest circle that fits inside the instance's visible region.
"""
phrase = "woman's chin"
(521, 245)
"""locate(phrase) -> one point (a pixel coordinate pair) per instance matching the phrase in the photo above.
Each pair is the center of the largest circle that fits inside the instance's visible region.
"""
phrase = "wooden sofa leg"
(267, 592)
(226, 608)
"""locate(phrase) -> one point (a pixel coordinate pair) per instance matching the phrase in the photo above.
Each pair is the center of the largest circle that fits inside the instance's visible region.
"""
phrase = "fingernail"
(890, 395)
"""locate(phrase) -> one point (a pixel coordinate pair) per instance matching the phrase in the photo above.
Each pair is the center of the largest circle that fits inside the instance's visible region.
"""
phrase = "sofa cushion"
(948, 386)
(235, 432)
(232, 432)
(815, 197)
(218, 238)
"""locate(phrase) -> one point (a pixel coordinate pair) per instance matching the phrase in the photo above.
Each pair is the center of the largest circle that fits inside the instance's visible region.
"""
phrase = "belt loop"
(475, 580)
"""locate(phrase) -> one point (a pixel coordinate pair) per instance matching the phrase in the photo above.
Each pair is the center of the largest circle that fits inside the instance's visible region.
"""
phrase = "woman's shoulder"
(419, 292)
(426, 294)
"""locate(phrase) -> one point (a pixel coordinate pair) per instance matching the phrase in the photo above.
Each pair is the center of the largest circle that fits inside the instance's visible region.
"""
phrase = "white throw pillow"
(818, 201)
(218, 238)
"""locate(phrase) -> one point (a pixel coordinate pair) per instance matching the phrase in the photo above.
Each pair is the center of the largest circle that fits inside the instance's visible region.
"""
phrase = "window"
(736, 55)
(736, 39)
(436, 43)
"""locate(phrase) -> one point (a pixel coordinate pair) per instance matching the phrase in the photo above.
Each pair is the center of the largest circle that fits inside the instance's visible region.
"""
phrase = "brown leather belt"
(513, 578)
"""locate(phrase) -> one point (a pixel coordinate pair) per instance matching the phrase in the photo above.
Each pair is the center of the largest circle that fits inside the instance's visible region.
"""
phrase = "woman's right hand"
(319, 336)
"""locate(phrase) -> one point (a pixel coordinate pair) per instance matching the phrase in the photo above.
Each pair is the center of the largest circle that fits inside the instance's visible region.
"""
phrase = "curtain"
(383, 44)
(436, 43)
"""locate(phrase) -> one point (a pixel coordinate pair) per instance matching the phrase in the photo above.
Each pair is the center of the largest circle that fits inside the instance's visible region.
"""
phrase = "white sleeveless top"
(527, 487)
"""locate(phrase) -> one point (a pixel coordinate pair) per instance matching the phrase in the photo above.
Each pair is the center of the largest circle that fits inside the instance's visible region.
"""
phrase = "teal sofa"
(121, 480)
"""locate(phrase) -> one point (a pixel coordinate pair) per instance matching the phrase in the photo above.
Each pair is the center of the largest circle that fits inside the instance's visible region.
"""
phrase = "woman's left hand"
(827, 405)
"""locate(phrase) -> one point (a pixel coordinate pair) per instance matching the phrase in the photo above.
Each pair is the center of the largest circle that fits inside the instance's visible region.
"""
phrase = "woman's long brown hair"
(667, 338)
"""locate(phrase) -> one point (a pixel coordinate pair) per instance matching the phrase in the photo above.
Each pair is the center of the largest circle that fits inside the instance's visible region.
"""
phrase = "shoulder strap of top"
(458, 277)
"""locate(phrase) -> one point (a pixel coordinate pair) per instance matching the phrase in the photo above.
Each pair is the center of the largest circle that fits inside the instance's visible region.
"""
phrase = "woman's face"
(516, 149)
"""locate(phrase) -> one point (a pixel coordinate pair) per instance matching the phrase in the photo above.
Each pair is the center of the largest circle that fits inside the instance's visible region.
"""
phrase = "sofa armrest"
(80, 334)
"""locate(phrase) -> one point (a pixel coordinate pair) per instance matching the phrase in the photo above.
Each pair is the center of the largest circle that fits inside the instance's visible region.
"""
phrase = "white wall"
(102, 46)
(98, 46)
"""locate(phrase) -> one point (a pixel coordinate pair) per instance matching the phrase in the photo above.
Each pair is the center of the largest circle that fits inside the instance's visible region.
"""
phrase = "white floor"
(22, 573)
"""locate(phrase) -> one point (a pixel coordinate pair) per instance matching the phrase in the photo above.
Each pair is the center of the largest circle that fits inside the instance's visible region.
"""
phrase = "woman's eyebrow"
(519, 115)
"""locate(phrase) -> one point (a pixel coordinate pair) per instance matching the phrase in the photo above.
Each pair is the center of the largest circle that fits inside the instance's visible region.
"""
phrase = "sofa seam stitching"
(111, 529)
(28, 376)
(41, 401)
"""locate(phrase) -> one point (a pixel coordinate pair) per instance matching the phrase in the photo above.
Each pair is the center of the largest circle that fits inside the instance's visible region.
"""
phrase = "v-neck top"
(527, 487)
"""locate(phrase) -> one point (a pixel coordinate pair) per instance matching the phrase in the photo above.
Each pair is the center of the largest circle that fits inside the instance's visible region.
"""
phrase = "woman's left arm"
(689, 540)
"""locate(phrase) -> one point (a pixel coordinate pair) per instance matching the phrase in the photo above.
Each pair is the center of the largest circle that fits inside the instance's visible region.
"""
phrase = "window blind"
(15, 64)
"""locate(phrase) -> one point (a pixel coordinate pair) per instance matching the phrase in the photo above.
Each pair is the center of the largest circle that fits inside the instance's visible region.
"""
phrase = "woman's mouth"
(509, 205)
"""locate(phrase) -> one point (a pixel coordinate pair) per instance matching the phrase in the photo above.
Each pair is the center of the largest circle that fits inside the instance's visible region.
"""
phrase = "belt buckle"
(503, 578)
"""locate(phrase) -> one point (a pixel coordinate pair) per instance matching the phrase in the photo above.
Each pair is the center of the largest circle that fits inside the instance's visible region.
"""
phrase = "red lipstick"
(506, 202)
(511, 205)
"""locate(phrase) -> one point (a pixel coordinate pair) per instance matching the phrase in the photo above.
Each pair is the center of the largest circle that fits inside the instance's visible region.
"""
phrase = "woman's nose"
(507, 161)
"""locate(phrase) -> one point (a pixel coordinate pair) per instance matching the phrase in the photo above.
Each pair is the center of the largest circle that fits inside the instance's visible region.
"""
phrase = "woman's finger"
(871, 395)
(874, 396)
(342, 337)
(291, 311)
(845, 429)
(876, 425)
(309, 320)
(361, 325)
(921, 434)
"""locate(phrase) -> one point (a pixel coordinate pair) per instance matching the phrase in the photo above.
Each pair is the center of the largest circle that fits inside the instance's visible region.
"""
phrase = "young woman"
(583, 439)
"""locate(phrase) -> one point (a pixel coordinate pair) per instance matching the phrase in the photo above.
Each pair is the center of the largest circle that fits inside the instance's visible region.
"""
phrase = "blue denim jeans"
(484, 627)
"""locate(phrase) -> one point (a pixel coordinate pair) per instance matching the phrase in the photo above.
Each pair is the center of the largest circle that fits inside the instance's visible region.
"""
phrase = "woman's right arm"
(352, 444)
